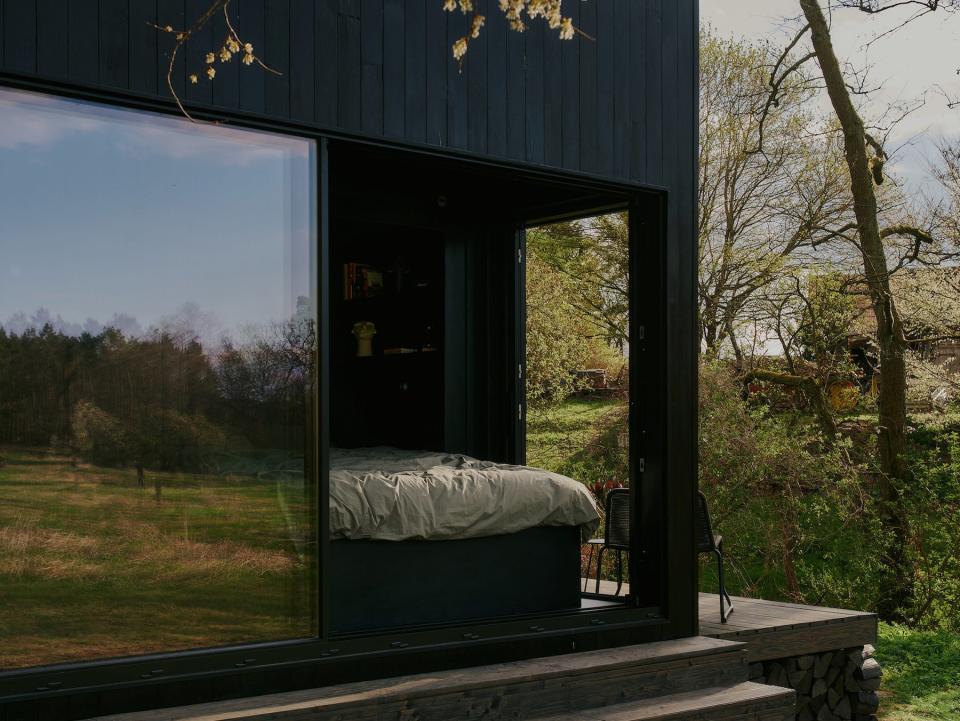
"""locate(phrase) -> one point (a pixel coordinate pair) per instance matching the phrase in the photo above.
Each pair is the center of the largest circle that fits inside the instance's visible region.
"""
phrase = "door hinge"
(519, 256)
(520, 411)
(642, 333)
(520, 372)
(642, 465)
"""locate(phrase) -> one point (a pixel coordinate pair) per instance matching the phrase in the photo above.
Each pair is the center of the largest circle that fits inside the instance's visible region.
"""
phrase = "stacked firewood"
(837, 685)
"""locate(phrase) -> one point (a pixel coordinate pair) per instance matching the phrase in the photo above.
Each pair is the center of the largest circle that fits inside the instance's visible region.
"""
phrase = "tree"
(884, 238)
(759, 212)
(593, 257)
(810, 315)
(557, 336)
(865, 158)
(948, 174)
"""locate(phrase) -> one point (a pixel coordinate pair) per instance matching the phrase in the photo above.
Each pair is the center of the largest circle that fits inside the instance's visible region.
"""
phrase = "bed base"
(378, 585)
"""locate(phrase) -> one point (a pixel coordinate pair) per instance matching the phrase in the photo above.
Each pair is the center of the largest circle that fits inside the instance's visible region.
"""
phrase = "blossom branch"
(517, 13)
(232, 45)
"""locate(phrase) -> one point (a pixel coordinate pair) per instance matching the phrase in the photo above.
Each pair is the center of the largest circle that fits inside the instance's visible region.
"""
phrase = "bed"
(421, 538)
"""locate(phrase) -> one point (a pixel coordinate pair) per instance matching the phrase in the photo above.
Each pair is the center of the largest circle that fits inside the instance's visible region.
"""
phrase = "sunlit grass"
(578, 438)
(921, 674)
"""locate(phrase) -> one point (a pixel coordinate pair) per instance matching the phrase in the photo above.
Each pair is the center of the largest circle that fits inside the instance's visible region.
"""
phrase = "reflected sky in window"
(123, 219)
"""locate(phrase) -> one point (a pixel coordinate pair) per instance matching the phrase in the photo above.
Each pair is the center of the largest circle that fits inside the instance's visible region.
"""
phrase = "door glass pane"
(157, 336)
(577, 379)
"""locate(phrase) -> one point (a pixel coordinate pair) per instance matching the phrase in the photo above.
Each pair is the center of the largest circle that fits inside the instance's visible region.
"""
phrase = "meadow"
(94, 565)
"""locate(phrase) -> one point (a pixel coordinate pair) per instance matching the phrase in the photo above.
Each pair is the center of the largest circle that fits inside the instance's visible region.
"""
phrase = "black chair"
(709, 543)
(616, 535)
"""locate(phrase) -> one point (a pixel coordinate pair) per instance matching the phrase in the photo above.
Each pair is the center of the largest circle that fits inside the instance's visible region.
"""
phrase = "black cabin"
(191, 300)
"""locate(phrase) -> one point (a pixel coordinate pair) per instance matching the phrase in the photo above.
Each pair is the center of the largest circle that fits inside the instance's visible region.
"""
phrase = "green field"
(92, 565)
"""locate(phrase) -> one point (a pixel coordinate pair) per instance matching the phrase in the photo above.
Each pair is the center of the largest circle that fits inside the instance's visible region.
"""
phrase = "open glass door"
(577, 389)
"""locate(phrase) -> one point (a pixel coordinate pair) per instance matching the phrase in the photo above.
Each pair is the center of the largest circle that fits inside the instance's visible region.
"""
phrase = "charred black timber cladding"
(621, 107)
(839, 685)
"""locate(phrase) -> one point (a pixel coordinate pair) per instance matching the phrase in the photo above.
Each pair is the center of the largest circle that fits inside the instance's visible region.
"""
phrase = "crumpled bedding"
(394, 495)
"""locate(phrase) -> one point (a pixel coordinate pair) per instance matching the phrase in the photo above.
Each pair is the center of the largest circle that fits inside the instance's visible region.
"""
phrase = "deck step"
(516, 690)
(743, 702)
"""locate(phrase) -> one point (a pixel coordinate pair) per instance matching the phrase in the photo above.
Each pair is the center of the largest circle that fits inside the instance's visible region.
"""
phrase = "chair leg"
(619, 571)
(725, 608)
(586, 575)
(599, 566)
(723, 585)
(723, 612)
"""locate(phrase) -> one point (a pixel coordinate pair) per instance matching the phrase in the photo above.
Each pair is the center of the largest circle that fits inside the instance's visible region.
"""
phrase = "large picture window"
(157, 361)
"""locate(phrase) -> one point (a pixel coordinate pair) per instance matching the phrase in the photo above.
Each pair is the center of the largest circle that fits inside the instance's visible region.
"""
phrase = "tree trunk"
(790, 535)
(890, 335)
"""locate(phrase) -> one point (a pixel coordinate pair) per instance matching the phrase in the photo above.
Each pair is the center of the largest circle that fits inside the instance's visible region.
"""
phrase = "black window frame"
(196, 675)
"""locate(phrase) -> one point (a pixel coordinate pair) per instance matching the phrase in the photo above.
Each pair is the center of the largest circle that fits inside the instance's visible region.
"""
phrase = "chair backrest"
(617, 534)
(703, 529)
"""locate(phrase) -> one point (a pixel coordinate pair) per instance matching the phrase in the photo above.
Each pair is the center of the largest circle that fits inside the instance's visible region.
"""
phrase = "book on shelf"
(361, 281)
(400, 351)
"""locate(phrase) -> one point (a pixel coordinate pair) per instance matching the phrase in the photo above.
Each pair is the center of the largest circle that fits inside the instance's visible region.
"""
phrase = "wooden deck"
(776, 629)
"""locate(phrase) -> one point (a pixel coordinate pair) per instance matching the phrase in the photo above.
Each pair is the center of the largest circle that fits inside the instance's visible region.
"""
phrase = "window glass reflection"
(157, 345)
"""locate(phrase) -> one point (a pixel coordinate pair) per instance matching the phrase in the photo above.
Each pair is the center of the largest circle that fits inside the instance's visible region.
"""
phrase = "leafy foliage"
(99, 436)
(557, 337)
(932, 501)
(790, 507)
(594, 255)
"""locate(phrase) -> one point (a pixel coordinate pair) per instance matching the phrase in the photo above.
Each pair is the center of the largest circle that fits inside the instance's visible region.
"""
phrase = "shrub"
(99, 437)
(932, 503)
(790, 507)
(174, 441)
(163, 439)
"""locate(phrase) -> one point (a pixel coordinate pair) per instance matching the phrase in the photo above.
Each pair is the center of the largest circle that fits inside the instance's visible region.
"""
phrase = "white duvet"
(393, 495)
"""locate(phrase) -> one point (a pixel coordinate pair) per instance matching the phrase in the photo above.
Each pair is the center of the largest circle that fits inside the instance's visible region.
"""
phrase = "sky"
(111, 217)
(908, 65)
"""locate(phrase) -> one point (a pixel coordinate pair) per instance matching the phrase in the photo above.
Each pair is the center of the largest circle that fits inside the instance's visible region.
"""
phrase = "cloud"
(36, 120)
(144, 137)
(31, 119)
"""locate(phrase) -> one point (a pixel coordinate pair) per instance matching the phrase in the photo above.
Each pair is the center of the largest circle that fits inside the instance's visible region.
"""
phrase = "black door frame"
(646, 214)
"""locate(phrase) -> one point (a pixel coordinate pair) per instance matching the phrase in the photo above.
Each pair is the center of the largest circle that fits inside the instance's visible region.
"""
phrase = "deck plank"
(779, 629)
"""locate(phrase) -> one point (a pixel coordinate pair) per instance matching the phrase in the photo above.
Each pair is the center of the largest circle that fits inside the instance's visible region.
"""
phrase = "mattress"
(389, 494)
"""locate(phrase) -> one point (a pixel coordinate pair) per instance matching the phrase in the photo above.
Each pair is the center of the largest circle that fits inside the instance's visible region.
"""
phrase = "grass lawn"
(94, 566)
(579, 438)
(921, 674)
